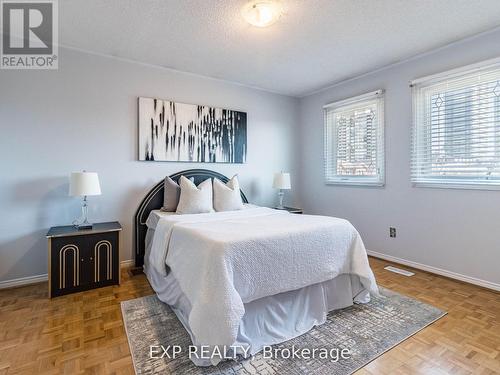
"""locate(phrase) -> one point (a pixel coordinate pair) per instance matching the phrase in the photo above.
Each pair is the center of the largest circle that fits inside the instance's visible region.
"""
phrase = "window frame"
(418, 128)
(330, 144)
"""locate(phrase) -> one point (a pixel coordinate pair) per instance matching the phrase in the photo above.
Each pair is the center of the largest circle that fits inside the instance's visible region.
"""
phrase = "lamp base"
(281, 193)
(84, 226)
(83, 223)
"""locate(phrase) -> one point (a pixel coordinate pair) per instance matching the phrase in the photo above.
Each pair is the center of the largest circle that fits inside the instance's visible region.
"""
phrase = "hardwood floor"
(83, 332)
(73, 334)
(465, 341)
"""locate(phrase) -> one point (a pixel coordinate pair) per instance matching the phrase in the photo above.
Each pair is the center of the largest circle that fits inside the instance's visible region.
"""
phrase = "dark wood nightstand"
(290, 209)
(83, 259)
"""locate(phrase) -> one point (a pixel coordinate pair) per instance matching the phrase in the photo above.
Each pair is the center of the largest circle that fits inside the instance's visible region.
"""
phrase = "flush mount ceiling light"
(262, 13)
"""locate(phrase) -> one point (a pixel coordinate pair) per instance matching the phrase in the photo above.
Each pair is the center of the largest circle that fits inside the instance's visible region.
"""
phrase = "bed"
(240, 280)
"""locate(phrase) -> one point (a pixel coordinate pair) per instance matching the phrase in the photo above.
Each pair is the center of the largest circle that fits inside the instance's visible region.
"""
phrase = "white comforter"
(222, 260)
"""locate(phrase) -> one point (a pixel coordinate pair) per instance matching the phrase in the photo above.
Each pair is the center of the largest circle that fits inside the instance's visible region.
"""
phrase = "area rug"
(366, 331)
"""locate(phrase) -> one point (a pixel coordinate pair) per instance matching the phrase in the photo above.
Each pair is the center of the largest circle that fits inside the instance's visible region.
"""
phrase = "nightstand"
(83, 259)
(290, 209)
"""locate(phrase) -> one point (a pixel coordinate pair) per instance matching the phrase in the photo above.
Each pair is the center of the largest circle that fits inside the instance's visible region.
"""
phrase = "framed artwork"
(171, 131)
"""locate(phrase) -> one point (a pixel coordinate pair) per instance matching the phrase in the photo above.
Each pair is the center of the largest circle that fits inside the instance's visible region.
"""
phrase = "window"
(354, 140)
(456, 128)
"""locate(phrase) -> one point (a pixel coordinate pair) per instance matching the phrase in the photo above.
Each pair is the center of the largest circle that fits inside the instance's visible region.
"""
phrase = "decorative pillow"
(227, 197)
(195, 200)
(171, 194)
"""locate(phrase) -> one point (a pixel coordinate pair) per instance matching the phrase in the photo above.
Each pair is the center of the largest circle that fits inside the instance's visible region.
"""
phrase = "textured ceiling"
(314, 44)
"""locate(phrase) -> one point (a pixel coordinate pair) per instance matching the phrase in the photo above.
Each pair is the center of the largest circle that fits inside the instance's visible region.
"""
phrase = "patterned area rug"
(367, 331)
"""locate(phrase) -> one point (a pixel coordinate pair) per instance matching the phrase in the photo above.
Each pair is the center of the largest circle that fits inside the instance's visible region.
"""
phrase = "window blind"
(354, 140)
(456, 129)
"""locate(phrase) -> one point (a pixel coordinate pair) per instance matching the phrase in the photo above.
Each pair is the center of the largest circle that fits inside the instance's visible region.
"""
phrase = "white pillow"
(227, 197)
(195, 200)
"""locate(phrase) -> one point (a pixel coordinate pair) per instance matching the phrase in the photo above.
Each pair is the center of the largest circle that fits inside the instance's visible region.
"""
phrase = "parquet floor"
(466, 341)
(83, 333)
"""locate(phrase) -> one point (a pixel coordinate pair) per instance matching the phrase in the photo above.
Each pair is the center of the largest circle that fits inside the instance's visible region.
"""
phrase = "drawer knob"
(81, 259)
(91, 258)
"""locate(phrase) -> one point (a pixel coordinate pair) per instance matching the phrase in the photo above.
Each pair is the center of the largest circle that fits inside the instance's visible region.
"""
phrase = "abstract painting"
(171, 131)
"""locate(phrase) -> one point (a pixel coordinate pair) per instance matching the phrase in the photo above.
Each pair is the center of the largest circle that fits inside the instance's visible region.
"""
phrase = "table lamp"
(281, 182)
(83, 184)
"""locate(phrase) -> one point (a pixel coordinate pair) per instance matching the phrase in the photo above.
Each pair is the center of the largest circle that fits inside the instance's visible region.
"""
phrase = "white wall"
(84, 116)
(455, 230)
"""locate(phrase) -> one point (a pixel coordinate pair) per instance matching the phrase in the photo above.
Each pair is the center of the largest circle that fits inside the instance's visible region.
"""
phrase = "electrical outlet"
(392, 232)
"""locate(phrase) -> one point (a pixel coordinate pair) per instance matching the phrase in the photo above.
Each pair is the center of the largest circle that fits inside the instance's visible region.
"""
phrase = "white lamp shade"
(84, 183)
(282, 181)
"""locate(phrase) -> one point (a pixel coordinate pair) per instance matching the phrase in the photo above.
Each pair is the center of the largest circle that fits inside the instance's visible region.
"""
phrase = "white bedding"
(155, 215)
(223, 260)
(273, 319)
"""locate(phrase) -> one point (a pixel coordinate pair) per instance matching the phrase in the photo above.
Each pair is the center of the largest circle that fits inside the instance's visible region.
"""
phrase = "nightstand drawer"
(104, 257)
(66, 259)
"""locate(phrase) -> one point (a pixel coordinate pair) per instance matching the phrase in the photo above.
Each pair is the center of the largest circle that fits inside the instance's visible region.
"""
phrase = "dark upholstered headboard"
(154, 201)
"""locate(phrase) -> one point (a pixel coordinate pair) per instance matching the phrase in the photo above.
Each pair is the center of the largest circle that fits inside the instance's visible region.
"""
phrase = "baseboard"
(23, 281)
(41, 278)
(437, 271)
(127, 263)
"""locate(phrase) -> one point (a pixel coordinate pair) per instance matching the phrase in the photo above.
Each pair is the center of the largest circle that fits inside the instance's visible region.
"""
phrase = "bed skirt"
(273, 319)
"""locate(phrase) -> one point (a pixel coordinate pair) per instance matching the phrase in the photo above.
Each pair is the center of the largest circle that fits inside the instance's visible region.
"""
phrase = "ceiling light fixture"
(262, 13)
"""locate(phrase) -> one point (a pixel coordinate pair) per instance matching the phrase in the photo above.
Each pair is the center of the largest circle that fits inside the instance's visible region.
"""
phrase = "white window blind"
(456, 128)
(354, 140)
